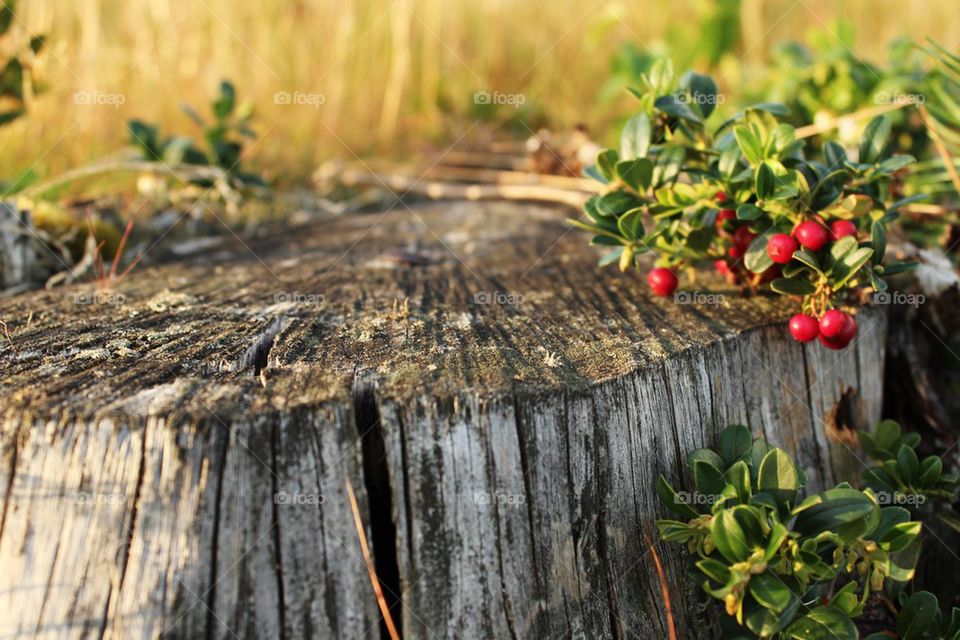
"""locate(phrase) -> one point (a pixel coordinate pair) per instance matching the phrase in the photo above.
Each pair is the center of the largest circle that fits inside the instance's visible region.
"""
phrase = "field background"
(394, 75)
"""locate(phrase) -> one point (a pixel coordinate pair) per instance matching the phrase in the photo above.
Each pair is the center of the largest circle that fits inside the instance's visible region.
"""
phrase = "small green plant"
(901, 477)
(743, 195)
(785, 565)
(223, 137)
(920, 618)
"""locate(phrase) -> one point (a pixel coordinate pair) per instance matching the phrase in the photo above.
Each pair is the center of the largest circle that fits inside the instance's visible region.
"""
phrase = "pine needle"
(371, 570)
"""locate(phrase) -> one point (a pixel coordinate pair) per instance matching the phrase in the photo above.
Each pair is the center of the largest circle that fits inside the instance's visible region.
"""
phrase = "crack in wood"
(376, 477)
(257, 355)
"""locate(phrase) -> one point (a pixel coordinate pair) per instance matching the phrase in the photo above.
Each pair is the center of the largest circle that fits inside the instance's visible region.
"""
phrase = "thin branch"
(816, 129)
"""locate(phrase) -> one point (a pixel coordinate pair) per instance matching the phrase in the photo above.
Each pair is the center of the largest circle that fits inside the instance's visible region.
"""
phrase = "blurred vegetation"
(395, 75)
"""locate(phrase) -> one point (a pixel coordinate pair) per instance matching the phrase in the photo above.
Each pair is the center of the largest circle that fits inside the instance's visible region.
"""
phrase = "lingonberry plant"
(785, 566)
(902, 478)
(744, 196)
(224, 137)
(919, 618)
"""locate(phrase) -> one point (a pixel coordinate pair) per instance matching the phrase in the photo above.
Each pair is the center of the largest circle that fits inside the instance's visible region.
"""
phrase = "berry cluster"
(745, 197)
(835, 328)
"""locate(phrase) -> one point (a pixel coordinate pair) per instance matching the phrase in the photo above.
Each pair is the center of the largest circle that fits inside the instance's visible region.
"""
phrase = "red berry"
(850, 328)
(842, 228)
(812, 235)
(832, 343)
(804, 328)
(720, 196)
(725, 214)
(722, 267)
(780, 248)
(742, 238)
(736, 251)
(832, 323)
(662, 281)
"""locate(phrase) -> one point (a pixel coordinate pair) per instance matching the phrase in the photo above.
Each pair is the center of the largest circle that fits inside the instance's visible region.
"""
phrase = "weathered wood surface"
(174, 454)
(20, 265)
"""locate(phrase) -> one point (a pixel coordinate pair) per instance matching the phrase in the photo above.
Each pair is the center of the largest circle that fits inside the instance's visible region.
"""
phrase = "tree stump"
(175, 452)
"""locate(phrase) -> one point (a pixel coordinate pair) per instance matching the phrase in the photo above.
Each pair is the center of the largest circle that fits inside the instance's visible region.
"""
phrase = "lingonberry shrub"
(785, 565)
(902, 478)
(746, 196)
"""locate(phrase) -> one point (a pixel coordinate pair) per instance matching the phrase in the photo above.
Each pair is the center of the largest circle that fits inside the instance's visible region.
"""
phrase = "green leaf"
(672, 500)
(909, 464)
(808, 258)
(822, 623)
(593, 172)
(778, 476)
(838, 507)
(703, 90)
(887, 435)
(738, 476)
(851, 265)
(607, 164)
(900, 536)
(749, 212)
(919, 618)
(878, 238)
(668, 164)
(770, 591)
(773, 108)
(637, 173)
(630, 224)
(707, 478)
(930, 471)
(715, 570)
(37, 43)
(874, 139)
(6, 16)
(736, 531)
(635, 138)
(223, 106)
(617, 203)
(764, 181)
(834, 155)
(749, 144)
(677, 107)
(729, 161)
(757, 259)
(735, 444)
(706, 455)
(793, 286)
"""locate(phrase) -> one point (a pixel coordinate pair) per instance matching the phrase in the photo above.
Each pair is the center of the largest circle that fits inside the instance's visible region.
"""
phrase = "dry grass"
(392, 71)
